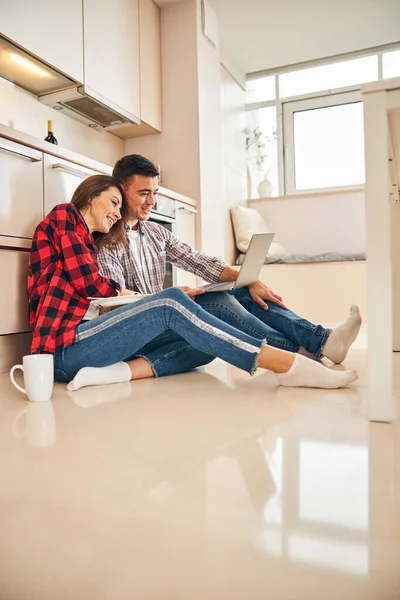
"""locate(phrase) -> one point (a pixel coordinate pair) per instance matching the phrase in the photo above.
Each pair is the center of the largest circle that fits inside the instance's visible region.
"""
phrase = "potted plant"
(259, 159)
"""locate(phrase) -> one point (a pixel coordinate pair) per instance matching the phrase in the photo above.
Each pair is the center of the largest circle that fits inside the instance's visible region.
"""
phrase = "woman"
(63, 274)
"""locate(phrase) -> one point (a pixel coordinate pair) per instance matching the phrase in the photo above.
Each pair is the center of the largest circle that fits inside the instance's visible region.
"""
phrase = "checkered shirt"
(157, 247)
(62, 273)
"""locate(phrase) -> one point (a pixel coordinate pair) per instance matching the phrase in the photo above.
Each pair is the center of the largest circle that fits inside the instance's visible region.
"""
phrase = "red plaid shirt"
(62, 273)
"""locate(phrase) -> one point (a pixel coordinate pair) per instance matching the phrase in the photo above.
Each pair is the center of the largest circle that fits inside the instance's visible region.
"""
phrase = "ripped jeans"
(169, 353)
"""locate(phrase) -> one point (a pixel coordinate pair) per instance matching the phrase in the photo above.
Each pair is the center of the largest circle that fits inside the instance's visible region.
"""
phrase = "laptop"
(251, 267)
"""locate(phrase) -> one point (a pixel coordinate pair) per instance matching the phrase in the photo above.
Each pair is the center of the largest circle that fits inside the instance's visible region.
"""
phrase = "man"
(256, 309)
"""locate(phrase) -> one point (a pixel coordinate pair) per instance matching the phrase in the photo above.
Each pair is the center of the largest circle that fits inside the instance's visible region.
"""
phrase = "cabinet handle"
(15, 248)
(71, 170)
(193, 211)
(19, 152)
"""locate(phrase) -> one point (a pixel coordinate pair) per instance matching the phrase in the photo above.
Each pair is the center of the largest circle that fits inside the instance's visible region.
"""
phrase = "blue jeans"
(169, 354)
(119, 335)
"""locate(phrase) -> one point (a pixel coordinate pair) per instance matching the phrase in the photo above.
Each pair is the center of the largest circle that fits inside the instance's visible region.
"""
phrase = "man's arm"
(258, 290)
(214, 270)
(183, 256)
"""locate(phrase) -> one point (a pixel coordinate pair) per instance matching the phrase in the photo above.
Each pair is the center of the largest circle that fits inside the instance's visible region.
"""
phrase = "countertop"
(32, 142)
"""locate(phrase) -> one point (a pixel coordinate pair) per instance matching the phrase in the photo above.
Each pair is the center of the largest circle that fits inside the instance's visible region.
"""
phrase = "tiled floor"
(205, 486)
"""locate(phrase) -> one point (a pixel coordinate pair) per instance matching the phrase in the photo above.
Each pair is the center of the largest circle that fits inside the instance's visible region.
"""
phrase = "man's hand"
(191, 292)
(261, 292)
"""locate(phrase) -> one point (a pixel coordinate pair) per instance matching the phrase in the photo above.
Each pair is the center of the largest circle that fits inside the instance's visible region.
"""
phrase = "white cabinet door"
(14, 303)
(150, 63)
(111, 46)
(61, 178)
(50, 30)
(21, 199)
(185, 230)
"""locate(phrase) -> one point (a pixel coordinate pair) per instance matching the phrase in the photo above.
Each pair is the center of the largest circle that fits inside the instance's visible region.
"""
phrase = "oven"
(163, 213)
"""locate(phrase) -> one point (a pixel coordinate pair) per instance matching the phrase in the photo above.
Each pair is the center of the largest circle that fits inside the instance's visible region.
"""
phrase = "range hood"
(59, 91)
(90, 108)
(25, 70)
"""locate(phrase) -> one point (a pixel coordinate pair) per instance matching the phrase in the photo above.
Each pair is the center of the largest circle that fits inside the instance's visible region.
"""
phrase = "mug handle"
(14, 368)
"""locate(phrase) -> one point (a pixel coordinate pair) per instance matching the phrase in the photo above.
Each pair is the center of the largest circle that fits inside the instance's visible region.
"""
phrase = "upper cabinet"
(50, 30)
(150, 63)
(150, 72)
(111, 49)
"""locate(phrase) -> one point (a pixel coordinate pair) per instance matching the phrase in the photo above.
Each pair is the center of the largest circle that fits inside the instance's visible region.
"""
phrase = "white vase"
(264, 188)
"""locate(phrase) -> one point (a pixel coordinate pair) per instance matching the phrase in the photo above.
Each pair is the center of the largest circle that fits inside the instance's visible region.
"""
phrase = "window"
(324, 143)
(309, 123)
(391, 64)
(329, 77)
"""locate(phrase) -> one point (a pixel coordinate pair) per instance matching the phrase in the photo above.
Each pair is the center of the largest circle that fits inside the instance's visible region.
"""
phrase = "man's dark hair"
(131, 165)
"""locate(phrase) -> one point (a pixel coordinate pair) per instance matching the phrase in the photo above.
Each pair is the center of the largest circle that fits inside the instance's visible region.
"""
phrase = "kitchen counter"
(32, 142)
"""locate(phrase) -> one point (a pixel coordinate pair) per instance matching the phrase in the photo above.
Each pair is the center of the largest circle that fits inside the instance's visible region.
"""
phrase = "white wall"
(201, 149)
(212, 212)
(233, 156)
(316, 224)
(22, 110)
(263, 34)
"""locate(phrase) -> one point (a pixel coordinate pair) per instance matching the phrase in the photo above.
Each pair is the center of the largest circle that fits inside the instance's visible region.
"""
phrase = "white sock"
(116, 373)
(309, 373)
(341, 338)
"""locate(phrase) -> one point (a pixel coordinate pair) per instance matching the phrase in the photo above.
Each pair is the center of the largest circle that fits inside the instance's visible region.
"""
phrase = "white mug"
(38, 370)
(38, 425)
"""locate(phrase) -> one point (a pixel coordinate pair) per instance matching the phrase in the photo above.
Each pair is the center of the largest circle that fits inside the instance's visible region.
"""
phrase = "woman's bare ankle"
(140, 369)
(275, 360)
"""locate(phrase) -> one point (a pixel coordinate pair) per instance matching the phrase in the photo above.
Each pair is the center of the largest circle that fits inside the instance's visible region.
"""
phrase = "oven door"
(168, 223)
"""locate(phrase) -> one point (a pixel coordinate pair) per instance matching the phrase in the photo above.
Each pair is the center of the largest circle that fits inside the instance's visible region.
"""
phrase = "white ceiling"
(263, 34)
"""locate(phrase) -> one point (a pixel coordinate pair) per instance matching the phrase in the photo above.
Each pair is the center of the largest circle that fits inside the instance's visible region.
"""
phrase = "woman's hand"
(125, 292)
(191, 292)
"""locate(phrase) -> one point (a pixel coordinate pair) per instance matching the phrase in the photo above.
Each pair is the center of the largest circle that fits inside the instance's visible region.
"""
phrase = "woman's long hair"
(90, 188)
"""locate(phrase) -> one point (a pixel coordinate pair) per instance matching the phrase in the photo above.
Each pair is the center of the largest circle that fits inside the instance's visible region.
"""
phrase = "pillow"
(247, 221)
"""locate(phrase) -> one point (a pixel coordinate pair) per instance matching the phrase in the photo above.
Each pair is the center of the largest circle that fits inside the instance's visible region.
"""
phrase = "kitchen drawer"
(21, 195)
(13, 278)
(61, 178)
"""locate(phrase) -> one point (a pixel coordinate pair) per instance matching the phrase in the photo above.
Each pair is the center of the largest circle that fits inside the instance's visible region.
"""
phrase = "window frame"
(286, 173)
(288, 109)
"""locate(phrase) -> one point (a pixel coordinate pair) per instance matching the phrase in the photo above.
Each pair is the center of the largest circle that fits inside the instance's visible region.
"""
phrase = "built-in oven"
(163, 213)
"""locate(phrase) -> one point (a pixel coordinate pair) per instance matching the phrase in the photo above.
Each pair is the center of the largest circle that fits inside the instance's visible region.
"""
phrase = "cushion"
(308, 258)
(247, 221)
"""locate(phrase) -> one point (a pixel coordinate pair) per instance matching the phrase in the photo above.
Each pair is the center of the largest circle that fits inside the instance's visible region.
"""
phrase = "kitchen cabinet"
(150, 63)
(51, 31)
(111, 49)
(185, 230)
(14, 302)
(21, 176)
(61, 178)
(150, 73)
